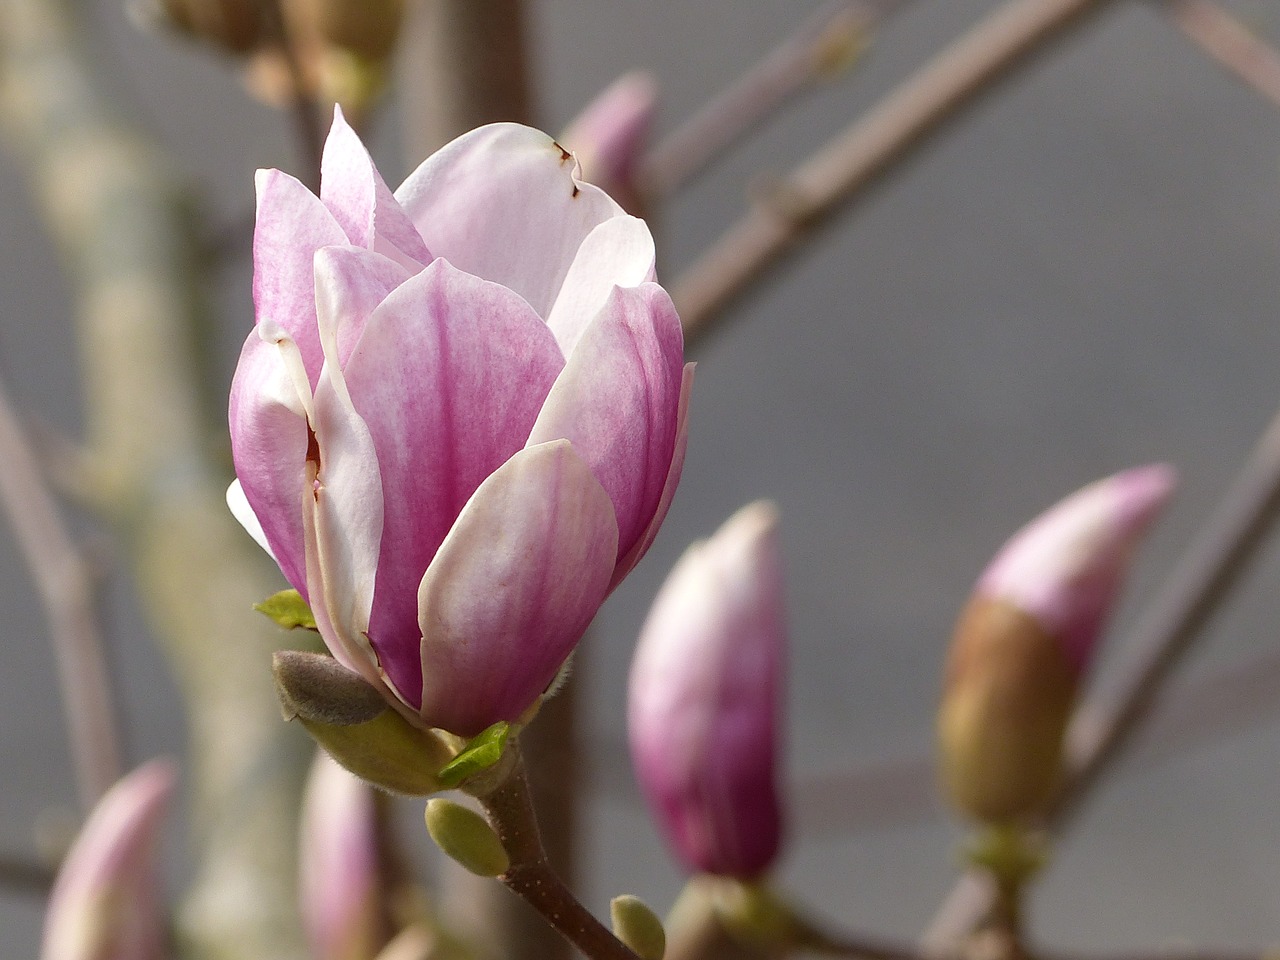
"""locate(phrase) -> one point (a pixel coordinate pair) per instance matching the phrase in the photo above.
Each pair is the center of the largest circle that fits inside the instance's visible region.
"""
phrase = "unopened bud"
(1009, 691)
(637, 926)
(1026, 638)
(356, 725)
(467, 837)
(369, 28)
(236, 26)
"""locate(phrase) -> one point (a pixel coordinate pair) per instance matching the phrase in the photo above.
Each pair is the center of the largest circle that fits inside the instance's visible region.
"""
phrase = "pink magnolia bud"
(1025, 639)
(705, 699)
(610, 135)
(105, 903)
(340, 880)
(461, 417)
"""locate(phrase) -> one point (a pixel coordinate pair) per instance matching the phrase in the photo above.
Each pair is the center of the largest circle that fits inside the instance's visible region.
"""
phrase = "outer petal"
(504, 203)
(350, 283)
(618, 401)
(292, 224)
(627, 562)
(449, 376)
(704, 698)
(342, 516)
(269, 448)
(513, 588)
(619, 252)
(356, 195)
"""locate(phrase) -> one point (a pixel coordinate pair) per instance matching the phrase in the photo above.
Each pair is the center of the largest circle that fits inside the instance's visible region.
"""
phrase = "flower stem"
(530, 877)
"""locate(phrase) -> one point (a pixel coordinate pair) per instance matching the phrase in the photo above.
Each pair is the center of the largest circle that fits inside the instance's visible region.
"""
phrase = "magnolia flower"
(461, 417)
(105, 904)
(1026, 638)
(340, 882)
(705, 698)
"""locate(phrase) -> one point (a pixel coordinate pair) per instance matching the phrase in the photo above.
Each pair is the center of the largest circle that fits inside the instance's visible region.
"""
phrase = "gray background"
(1082, 276)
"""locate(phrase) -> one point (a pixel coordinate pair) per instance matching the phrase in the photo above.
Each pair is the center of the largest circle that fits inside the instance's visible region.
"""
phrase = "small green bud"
(481, 753)
(288, 609)
(356, 725)
(466, 837)
(752, 914)
(637, 926)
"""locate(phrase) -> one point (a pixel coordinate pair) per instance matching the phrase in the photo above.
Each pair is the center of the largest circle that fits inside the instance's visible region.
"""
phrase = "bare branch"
(821, 45)
(65, 587)
(869, 149)
(1239, 50)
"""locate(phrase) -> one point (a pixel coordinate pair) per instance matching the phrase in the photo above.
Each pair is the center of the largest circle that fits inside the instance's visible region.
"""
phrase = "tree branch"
(869, 149)
(1237, 49)
(66, 590)
(112, 203)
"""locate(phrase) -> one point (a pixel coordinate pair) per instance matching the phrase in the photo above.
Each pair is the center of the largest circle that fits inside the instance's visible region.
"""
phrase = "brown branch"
(531, 877)
(870, 148)
(65, 586)
(1234, 46)
(813, 52)
(25, 876)
(1193, 592)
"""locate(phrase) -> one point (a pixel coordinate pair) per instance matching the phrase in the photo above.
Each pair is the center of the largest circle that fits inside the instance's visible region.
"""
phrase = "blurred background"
(1081, 275)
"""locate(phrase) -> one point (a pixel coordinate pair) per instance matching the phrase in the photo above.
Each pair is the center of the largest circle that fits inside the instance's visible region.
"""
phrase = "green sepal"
(481, 752)
(288, 609)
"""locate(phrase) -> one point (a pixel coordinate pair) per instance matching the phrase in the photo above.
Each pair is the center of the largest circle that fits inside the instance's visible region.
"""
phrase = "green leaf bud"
(288, 609)
(637, 926)
(482, 752)
(467, 837)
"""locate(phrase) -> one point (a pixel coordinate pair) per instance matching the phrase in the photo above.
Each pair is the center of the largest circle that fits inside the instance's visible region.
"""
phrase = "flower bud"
(637, 926)
(105, 902)
(1025, 639)
(340, 876)
(467, 837)
(236, 26)
(358, 728)
(704, 699)
(611, 133)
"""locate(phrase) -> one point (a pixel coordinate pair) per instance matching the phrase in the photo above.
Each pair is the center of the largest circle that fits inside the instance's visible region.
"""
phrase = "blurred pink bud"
(610, 135)
(705, 699)
(461, 417)
(1066, 567)
(106, 903)
(340, 880)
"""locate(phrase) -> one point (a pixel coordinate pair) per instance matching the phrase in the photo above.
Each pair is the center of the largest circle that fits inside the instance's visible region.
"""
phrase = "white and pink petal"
(513, 588)
(618, 401)
(449, 376)
(504, 202)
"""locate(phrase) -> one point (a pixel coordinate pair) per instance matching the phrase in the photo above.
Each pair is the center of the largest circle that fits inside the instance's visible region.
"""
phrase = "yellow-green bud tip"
(637, 926)
(466, 837)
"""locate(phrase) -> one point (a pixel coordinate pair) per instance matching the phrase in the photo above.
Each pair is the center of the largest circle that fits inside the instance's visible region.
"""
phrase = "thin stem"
(869, 149)
(814, 51)
(1233, 45)
(510, 809)
(65, 587)
(1193, 592)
